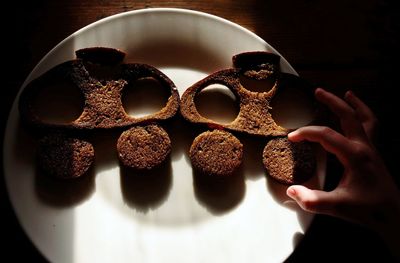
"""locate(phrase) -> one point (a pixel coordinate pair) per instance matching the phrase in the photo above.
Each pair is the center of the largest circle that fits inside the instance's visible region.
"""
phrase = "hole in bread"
(144, 97)
(217, 103)
(292, 108)
(254, 85)
(58, 102)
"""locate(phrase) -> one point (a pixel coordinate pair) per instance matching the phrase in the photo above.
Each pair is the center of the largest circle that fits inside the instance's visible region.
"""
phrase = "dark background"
(339, 45)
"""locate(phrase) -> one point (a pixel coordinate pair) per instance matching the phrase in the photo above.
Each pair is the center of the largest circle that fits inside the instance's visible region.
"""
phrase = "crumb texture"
(143, 147)
(254, 116)
(216, 152)
(65, 157)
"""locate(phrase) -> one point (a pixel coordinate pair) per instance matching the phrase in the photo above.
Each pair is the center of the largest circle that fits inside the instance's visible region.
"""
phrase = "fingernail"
(291, 192)
(319, 92)
(293, 136)
(293, 133)
(319, 89)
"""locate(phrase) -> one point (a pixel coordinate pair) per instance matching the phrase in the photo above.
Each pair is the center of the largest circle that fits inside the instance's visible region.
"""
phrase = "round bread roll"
(65, 157)
(216, 152)
(143, 147)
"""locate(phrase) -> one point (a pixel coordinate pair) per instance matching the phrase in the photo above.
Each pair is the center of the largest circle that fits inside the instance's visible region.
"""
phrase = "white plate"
(105, 219)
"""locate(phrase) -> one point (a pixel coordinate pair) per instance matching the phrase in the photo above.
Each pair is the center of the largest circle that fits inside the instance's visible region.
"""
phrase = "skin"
(367, 193)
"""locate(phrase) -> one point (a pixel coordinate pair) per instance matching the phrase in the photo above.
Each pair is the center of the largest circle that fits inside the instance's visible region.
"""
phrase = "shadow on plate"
(146, 190)
(182, 134)
(219, 194)
(253, 147)
(174, 53)
(63, 192)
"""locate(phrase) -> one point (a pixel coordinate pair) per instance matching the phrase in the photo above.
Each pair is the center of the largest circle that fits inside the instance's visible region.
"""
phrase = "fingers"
(314, 201)
(351, 125)
(364, 113)
(331, 140)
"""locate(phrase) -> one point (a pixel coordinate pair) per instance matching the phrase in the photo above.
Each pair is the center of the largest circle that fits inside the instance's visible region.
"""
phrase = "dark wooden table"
(339, 45)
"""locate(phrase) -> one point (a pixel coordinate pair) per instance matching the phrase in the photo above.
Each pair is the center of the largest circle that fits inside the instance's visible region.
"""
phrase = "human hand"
(366, 193)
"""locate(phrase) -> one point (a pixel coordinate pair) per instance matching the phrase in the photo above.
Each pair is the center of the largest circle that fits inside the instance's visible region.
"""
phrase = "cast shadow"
(182, 134)
(253, 147)
(146, 190)
(219, 194)
(59, 192)
(175, 52)
(105, 146)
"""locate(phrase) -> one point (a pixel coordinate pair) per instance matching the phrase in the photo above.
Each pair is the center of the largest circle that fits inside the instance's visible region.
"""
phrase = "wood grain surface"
(339, 45)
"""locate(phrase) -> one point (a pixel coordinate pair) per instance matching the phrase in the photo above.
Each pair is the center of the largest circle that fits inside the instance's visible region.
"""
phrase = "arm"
(366, 194)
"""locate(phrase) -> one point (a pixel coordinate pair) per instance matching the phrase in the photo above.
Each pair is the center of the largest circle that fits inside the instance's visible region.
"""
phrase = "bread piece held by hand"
(289, 162)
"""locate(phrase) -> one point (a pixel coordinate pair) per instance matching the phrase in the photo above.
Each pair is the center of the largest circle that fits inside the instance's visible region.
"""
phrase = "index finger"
(330, 140)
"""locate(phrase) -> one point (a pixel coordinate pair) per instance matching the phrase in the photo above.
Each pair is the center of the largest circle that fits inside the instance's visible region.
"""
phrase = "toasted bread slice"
(254, 114)
(103, 108)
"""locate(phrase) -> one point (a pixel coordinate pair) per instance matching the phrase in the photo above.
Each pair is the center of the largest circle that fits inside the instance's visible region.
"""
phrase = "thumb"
(314, 201)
